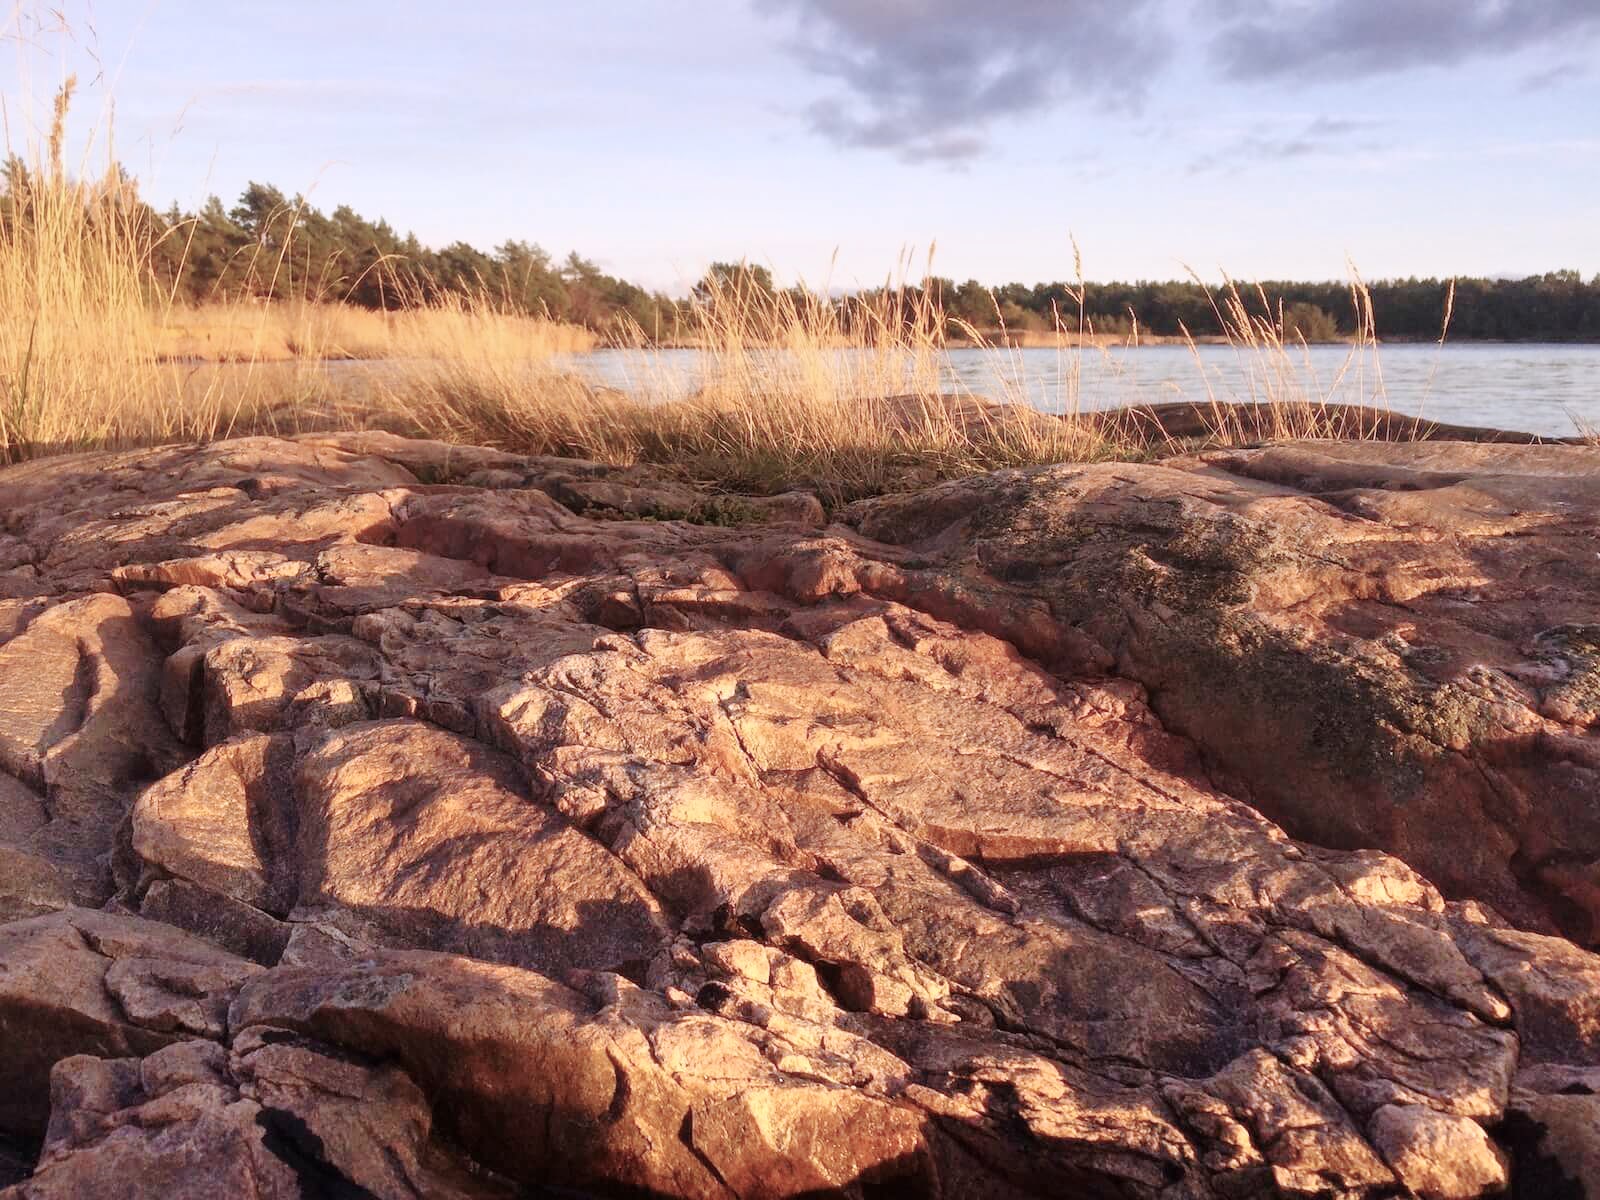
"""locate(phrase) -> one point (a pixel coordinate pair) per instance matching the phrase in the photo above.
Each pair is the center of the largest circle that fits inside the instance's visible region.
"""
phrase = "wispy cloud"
(1554, 77)
(1322, 136)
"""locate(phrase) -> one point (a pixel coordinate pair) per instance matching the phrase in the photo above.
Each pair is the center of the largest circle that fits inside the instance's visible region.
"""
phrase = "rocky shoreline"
(385, 818)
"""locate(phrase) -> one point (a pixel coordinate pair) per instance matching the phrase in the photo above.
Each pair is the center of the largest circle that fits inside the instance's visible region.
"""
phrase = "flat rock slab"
(386, 818)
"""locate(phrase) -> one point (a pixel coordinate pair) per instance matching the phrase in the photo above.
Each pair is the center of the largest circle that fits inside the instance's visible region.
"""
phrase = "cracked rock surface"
(382, 818)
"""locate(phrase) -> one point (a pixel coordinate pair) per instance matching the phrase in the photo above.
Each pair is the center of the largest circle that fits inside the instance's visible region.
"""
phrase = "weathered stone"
(930, 853)
(799, 1140)
(432, 839)
(227, 822)
(1438, 1157)
(31, 884)
(84, 982)
(1311, 1144)
(237, 927)
(79, 725)
(240, 570)
(1553, 987)
(1555, 1144)
(1365, 615)
(361, 578)
(280, 1119)
(531, 1083)
(266, 684)
(358, 1122)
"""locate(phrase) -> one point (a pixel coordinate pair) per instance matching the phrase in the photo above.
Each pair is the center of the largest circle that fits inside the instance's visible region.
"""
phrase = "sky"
(834, 139)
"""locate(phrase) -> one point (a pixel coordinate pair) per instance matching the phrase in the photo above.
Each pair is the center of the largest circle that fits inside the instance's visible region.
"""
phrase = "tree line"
(1558, 306)
(268, 245)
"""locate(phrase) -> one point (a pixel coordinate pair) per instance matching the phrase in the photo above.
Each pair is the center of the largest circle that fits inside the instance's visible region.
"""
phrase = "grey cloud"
(929, 79)
(831, 119)
(933, 80)
(1325, 135)
(1268, 39)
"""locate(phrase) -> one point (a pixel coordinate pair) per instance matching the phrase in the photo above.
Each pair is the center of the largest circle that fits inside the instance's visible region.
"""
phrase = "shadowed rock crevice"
(16, 1160)
(290, 1140)
(938, 851)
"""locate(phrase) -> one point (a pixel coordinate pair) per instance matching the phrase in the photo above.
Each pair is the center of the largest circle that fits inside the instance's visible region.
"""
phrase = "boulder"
(1408, 625)
(226, 822)
(411, 834)
(1439, 1157)
(84, 982)
(276, 1118)
(433, 840)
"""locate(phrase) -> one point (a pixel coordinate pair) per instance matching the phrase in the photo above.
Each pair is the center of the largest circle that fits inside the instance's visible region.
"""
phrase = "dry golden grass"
(92, 354)
(283, 330)
(1280, 378)
(78, 354)
(849, 397)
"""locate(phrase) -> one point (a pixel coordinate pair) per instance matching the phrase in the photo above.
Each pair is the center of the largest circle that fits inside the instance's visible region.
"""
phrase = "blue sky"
(826, 138)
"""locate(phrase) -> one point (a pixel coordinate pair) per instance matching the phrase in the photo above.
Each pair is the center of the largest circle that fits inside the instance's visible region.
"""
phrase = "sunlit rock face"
(382, 818)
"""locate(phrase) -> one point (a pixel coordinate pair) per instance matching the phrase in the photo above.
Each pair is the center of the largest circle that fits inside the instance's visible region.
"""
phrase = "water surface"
(1552, 390)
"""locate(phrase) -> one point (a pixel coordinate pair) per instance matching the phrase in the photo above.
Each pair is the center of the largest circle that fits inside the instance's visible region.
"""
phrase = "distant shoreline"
(277, 355)
(1072, 341)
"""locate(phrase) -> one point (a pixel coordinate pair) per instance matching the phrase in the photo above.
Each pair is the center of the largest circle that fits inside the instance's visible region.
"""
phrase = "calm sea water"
(1544, 389)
